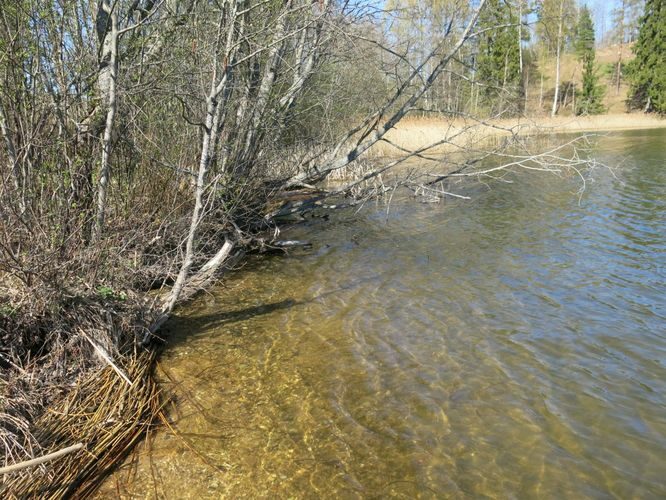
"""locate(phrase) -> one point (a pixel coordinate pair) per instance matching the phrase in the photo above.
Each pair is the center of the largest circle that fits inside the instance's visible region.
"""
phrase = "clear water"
(511, 346)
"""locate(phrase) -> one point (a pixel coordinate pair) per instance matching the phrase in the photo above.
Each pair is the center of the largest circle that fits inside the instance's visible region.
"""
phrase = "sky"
(601, 10)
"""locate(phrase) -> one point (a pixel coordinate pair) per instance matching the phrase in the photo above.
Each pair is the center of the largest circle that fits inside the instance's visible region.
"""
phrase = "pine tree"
(648, 69)
(498, 61)
(589, 102)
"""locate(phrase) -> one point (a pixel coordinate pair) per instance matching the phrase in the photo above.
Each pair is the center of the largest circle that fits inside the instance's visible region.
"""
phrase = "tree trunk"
(557, 60)
(212, 116)
(449, 88)
(273, 63)
(520, 34)
(541, 95)
(13, 160)
(305, 63)
(211, 131)
(618, 71)
(526, 85)
(107, 30)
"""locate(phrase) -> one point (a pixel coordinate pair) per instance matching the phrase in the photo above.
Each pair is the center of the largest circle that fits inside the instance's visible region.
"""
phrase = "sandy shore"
(415, 133)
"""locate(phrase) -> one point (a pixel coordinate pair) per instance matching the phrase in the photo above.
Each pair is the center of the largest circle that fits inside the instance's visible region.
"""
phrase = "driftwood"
(41, 460)
(283, 246)
(291, 244)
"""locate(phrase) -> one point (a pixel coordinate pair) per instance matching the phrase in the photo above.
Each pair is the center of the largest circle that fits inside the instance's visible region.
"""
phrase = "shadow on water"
(223, 318)
(181, 328)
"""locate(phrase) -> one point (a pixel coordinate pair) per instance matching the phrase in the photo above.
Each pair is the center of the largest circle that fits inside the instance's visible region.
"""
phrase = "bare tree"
(107, 33)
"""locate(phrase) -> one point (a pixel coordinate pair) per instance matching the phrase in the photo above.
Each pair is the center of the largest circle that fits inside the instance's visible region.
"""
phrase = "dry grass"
(415, 133)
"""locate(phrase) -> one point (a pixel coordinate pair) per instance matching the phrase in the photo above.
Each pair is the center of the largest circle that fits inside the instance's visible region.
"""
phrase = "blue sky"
(601, 10)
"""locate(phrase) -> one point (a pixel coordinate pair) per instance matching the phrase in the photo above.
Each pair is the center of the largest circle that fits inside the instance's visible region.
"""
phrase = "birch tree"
(555, 27)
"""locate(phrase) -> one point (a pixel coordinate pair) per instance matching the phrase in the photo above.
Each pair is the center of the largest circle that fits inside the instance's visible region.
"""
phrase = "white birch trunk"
(557, 60)
(212, 112)
(520, 34)
(267, 81)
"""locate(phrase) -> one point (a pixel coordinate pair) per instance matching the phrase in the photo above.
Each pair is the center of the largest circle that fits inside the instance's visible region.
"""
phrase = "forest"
(148, 145)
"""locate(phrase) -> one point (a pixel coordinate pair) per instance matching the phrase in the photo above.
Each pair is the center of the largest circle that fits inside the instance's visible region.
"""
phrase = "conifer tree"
(584, 43)
(648, 69)
(498, 61)
(589, 102)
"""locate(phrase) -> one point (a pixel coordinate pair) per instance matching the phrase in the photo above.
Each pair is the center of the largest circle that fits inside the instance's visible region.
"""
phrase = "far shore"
(415, 133)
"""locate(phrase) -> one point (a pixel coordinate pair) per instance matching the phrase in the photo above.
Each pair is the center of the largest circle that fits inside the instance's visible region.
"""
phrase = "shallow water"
(511, 346)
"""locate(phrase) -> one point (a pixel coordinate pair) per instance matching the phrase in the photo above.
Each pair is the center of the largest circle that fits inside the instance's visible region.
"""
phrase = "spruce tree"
(648, 69)
(498, 61)
(584, 43)
(589, 102)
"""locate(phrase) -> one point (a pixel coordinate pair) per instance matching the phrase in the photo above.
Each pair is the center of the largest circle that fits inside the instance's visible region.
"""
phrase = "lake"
(508, 346)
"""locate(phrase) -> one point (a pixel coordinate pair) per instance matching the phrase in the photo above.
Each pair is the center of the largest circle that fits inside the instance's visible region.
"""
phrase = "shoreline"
(420, 132)
(237, 465)
(593, 123)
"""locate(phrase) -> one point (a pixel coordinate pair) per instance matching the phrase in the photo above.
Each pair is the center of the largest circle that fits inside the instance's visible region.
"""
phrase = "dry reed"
(106, 414)
(415, 133)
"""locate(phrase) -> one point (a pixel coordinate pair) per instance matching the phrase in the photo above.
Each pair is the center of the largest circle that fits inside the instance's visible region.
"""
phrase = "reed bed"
(104, 413)
(71, 372)
(418, 132)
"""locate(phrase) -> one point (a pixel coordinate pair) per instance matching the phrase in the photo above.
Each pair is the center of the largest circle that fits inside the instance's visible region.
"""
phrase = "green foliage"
(498, 61)
(108, 293)
(609, 69)
(590, 99)
(7, 311)
(648, 69)
(584, 34)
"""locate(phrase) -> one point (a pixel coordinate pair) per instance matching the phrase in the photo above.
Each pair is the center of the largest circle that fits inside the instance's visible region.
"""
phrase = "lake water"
(510, 346)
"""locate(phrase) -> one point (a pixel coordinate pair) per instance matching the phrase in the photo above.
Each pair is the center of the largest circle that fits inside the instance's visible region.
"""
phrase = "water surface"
(511, 346)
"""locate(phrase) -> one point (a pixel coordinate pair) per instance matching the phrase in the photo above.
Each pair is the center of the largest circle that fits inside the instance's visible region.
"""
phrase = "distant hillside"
(570, 72)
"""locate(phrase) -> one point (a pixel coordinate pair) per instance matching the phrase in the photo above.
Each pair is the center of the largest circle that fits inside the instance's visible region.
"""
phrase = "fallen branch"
(41, 460)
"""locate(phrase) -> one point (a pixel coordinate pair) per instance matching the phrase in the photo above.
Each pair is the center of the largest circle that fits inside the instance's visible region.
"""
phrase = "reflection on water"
(511, 346)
